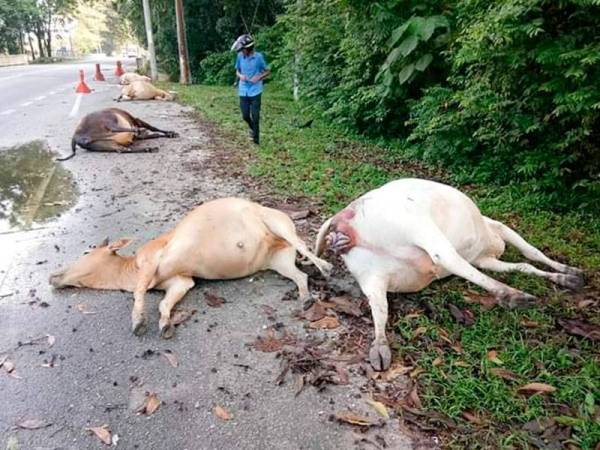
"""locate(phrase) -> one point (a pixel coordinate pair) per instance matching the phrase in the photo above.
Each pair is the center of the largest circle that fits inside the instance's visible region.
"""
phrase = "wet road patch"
(33, 187)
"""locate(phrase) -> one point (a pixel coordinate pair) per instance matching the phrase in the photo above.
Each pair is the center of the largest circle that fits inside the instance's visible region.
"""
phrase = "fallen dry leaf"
(181, 315)
(536, 388)
(84, 309)
(346, 305)
(395, 371)
(461, 363)
(268, 343)
(581, 304)
(150, 405)
(316, 312)
(33, 424)
(416, 372)
(413, 398)
(297, 215)
(8, 366)
(462, 316)
(213, 300)
(487, 301)
(380, 408)
(170, 357)
(413, 315)
(102, 433)
(437, 361)
(472, 417)
(504, 373)
(580, 328)
(327, 323)
(222, 413)
(529, 323)
(419, 331)
(492, 356)
(354, 419)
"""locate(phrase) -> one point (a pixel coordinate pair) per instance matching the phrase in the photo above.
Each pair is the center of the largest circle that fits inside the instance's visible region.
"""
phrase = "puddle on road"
(33, 187)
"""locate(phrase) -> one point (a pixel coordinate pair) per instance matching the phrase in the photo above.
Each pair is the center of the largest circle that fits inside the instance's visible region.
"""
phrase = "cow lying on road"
(113, 130)
(222, 239)
(143, 90)
(409, 232)
(129, 77)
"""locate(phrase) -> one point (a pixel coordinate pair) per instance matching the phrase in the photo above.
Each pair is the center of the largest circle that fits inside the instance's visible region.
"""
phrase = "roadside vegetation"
(474, 356)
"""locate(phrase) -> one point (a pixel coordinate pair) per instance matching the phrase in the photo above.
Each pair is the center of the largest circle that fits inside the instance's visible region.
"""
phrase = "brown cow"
(143, 90)
(113, 130)
(219, 240)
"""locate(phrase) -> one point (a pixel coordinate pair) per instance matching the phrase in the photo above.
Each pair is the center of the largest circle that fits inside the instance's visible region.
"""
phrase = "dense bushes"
(216, 68)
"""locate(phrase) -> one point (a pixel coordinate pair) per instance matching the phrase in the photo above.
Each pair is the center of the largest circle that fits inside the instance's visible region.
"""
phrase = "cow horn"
(104, 242)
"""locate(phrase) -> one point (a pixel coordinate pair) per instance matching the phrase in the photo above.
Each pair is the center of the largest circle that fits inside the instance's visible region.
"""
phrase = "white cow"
(409, 232)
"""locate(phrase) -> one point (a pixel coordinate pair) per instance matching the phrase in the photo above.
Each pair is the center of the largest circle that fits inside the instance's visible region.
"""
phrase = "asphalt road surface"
(92, 371)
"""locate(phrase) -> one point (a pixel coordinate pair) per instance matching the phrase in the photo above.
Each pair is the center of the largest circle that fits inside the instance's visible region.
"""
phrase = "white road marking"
(26, 103)
(76, 106)
(41, 97)
(7, 112)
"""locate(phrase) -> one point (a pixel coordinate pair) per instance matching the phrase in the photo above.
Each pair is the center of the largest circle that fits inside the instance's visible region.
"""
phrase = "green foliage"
(522, 102)
(216, 68)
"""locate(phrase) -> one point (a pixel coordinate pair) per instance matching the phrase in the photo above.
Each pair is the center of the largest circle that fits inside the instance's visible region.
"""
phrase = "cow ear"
(119, 244)
(104, 243)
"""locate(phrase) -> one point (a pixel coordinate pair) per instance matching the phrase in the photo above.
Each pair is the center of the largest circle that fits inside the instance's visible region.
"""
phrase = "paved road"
(96, 372)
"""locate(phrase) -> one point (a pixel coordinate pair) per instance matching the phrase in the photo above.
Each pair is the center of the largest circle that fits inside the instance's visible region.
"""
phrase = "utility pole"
(150, 39)
(184, 64)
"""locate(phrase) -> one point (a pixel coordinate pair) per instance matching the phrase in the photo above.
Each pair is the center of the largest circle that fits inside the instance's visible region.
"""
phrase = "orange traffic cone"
(98, 76)
(82, 88)
(119, 70)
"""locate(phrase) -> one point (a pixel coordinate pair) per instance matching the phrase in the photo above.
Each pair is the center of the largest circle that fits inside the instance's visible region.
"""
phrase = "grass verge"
(470, 373)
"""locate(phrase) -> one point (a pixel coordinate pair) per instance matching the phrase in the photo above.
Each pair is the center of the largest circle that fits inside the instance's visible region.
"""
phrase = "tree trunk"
(21, 44)
(49, 40)
(31, 47)
(39, 34)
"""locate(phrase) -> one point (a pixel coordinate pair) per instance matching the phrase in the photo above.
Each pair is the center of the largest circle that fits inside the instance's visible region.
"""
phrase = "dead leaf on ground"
(529, 323)
(536, 388)
(346, 305)
(170, 357)
(213, 300)
(472, 417)
(582, 304)
(268, 343)
(297, 215)
(84, 309)
(33, 424)
(580, 328)
(461, 363)
(102, 433)
(181, 315)
(487, 301)
(416, 372)
(395, 371)
(316, 312)
(413, 398)
(462, 316)
(419, 331)
(354, 419)
(437, 361)
(222, 413)
(380, 408)
(505, 374)
(492, 356)
(151, 404)
(342, 373)
(327, 323)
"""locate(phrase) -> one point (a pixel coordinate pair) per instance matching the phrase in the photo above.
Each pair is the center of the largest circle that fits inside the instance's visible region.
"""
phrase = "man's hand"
(255, 79)
(243, 77)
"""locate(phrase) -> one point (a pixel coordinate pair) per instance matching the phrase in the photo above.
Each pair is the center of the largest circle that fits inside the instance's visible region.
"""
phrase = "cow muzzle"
(56, 279)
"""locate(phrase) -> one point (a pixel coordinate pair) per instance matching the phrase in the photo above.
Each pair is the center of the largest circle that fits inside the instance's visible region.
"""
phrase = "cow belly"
(124, 139)
(409, 270)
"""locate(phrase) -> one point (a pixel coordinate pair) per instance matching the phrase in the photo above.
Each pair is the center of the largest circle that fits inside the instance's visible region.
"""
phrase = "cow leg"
(528, 250)
(570, 281)
(375, 288)
(442, 253)
(284, 263)
(138, 319)
(176, 288)
(105, 145)
(143, 134)
(142, 124)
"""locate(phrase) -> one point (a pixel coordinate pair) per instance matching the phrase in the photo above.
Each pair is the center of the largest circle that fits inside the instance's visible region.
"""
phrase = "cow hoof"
(573, 282)
(167, 331)
(516, 299)
(380, 356)
(139, 328)
(573, 271)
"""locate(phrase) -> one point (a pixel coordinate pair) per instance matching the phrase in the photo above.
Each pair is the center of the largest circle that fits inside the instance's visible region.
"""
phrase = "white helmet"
(244, 41)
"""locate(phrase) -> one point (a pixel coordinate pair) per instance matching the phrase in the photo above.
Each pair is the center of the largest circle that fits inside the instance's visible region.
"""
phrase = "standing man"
(251, 69)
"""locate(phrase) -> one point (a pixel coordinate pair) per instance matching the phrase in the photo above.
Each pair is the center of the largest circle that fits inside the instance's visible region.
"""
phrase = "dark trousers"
(250, 107)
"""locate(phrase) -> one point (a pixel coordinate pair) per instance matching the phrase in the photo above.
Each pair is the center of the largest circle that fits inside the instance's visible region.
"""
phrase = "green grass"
(334, 167)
